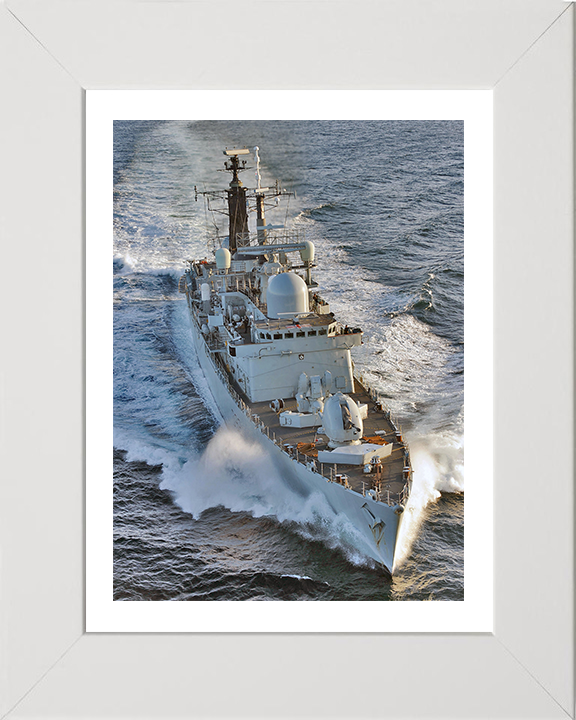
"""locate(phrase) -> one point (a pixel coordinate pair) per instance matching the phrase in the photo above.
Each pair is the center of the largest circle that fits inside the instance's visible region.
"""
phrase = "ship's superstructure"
(279, 366)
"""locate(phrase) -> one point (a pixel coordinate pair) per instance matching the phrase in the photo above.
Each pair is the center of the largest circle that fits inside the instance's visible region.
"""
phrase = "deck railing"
(376, 398)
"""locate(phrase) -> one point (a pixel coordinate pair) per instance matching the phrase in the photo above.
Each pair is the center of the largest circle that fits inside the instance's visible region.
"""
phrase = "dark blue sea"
(200, 513)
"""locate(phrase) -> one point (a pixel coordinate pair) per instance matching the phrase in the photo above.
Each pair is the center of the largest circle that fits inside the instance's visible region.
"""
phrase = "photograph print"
(288, 360)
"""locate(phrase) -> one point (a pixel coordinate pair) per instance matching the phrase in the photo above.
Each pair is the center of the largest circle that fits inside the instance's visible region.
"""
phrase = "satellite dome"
(286, 293)
(307, 252)
(223, 258)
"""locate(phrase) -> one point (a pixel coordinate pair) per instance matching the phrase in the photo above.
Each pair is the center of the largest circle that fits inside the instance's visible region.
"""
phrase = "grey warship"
(279, 365)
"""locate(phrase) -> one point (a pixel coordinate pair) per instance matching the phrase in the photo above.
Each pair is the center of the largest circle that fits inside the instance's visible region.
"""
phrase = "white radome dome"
(223, 259)
(286, 293)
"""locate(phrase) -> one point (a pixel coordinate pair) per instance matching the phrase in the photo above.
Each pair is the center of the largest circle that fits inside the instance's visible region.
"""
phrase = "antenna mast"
(260, 219)
(237, 209)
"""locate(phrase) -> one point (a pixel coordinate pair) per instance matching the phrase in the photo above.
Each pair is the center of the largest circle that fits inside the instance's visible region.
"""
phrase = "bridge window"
(300, 334)
(312, 332)
(277, 336)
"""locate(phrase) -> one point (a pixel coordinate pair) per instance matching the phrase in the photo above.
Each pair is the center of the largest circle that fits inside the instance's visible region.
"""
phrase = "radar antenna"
(237, 198)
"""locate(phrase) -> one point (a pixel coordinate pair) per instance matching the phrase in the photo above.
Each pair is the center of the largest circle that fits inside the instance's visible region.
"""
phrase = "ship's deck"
(304, 443)
(393, 478)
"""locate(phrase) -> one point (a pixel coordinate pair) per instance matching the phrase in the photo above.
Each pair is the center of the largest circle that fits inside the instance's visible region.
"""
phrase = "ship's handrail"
(376, 397)
(274, 236)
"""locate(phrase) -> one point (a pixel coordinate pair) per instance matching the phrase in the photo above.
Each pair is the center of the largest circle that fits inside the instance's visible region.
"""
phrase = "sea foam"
(437, 462)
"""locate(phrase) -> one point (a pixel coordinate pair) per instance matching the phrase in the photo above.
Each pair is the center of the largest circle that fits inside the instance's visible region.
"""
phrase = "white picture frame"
(472, 613)
(57, 49)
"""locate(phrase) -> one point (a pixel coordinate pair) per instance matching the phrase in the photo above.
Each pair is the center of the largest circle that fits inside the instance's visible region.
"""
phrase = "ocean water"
(200, 513)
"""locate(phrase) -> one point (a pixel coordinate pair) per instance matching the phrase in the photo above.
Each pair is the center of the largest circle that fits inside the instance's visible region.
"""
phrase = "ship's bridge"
(310, 325)
(269, 365)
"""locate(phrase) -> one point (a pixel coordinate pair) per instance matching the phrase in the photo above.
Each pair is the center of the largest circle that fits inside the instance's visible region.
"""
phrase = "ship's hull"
(375, 524)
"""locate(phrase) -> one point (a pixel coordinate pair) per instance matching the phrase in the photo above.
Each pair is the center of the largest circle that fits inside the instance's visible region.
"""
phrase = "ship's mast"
(260, 219)
(237, 209)
(237, 200)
